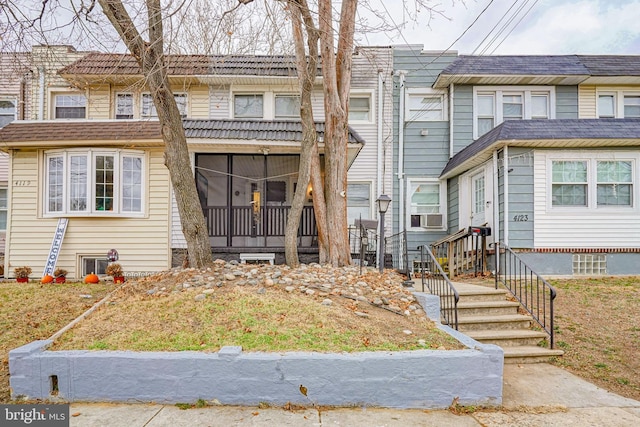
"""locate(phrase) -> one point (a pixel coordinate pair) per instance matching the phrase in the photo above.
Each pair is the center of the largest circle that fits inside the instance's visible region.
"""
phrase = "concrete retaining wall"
(408, 379)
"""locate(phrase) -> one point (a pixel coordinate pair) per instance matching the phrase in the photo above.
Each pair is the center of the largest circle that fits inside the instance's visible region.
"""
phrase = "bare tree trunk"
(319, 206)
(335, 70)
(150, 57)
(306, 68)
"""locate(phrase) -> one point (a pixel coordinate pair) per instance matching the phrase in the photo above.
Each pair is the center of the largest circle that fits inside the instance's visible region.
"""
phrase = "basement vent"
(590, 264)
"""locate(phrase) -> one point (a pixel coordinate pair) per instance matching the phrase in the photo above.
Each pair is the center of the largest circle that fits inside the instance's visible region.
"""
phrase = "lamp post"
(383, 204)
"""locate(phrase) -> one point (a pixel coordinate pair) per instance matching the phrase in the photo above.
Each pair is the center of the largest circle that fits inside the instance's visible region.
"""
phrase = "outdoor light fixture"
(383, 204)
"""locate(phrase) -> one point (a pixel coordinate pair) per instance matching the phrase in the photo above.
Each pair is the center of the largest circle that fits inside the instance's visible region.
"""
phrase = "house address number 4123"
(521, 218)
(21, 183)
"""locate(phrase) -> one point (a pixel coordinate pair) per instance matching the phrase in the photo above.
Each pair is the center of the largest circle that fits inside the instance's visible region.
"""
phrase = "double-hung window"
(287, 106)
(426, 198)
(358, 201)
(70, 106)
(592, 183)
(248, 106)
(3, 208)
(426, 106)
(149, 109)
(360, 108)
(124, 106)
(618, 104)
(8, 111)
(94, 182)
(493, 105)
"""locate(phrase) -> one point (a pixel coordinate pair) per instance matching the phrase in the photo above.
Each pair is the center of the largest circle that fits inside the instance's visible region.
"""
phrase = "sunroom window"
(94, 182)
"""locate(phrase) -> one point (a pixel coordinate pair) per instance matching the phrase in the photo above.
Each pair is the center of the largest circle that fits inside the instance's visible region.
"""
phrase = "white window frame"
(4, 205)
(618, 101)
(284, 95)
(412, 116)
(90, 210)
(499, 91)
(14, 100)
(372, 106)
(592, 159)
(371, 198)
(154, 113)
(443, 203)
(265, 104)
(54, 103)
(133, 104)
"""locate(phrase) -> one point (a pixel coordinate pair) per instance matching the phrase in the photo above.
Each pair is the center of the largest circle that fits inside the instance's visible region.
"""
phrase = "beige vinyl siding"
(99, 102)
(590, 228)
(49, 59)
(15, 80)
(587, 102)
(4, 168)
(199, 102)
(143, 243)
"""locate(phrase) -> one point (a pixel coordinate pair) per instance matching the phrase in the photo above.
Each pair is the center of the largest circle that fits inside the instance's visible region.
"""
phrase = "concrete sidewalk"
(533, 395)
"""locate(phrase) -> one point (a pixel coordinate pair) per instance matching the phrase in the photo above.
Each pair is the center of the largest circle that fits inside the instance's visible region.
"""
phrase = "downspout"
(41, 91)
(401, 219)
(451, 89)
(380, 163)
(505, 162)
(496, 208)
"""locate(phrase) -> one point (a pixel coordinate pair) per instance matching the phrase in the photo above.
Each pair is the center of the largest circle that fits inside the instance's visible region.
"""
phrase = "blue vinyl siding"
(566, 102)
(520, 198)
(462, 117)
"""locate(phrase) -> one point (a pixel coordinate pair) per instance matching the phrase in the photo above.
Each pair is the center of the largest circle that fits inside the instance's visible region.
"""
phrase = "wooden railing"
(462, 252)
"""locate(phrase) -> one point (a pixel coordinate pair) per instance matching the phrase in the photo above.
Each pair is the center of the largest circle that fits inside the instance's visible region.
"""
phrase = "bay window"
(94, 182)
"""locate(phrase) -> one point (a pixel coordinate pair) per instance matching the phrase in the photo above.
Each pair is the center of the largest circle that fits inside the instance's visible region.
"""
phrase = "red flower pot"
(22, 279)
(61, 279)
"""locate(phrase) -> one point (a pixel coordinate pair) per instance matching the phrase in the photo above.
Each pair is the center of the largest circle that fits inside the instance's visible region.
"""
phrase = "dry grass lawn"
(598, 327)
(33, 311)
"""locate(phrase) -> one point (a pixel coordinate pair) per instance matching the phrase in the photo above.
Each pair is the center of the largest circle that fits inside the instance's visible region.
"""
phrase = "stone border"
(406, 379)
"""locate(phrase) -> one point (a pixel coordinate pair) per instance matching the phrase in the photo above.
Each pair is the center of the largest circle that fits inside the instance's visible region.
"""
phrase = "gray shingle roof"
(517, 65)
(273, 130)
(513, 131)
(127, 130)
(612, 65)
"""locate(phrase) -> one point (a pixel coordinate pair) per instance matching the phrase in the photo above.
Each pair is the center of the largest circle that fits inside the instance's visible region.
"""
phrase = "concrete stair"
(486, 315)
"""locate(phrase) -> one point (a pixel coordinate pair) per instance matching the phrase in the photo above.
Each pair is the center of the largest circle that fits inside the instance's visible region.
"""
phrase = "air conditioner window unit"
(431, 220)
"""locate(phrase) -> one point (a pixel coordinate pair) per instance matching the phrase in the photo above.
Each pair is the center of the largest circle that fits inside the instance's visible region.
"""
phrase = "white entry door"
(478, 199)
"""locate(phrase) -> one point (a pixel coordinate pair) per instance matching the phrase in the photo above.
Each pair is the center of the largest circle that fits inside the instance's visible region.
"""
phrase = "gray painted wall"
(424, 156)
(407, 379)
(520, 197)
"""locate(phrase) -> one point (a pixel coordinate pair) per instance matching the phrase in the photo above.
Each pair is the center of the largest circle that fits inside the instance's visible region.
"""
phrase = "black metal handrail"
(396, 246)
(532, 291)
(433, 276)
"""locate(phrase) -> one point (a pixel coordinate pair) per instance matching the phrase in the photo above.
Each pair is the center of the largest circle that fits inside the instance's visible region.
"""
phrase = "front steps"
(485, 314)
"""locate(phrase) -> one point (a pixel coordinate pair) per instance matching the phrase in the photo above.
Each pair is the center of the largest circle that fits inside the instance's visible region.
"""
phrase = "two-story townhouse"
(15, 83)
(545, 150)
(104, 171)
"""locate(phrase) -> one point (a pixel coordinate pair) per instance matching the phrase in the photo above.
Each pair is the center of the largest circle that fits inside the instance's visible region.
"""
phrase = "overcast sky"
(549, 27)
